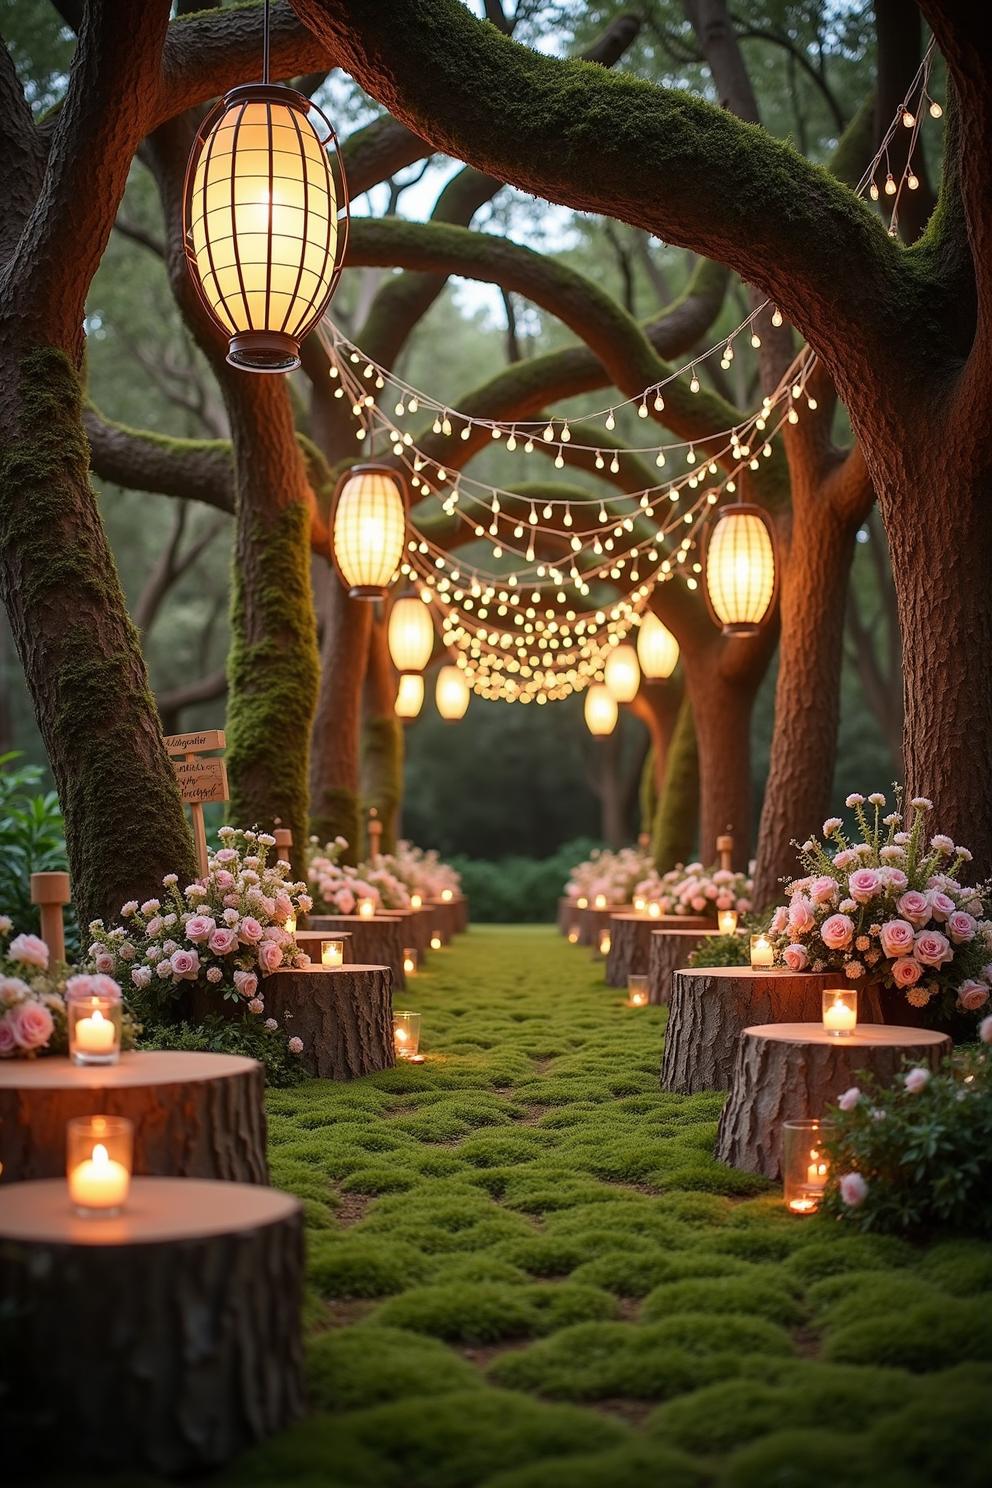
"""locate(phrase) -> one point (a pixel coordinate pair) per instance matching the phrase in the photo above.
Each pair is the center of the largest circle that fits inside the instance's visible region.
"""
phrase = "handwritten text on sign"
(195, 743)
(201, 779)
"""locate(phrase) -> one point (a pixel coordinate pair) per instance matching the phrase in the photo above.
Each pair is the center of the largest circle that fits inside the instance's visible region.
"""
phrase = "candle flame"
(101, 1156)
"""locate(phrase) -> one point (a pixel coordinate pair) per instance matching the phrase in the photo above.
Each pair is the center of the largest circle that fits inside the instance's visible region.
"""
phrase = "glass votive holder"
(605, 942)
(366, 909)
(416, 901)
(573, 936)
(600, 901)
(99, 1159)
(654, 910)
(406, 1035)
(726, 921)
(639, 903)
(410, 961)
(436, 940)
(805, 1168)
(290, 924)
(582, 902)
(447, 895)
(637, 989)
(762, 951)
(94, 1021)
(840, 1011)
(332, 953)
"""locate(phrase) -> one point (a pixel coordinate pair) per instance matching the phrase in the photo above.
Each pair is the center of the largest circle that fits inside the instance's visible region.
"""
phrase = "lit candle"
(366, 909)
(726, 921)
(804, 1165)
(840, 1012)
(95, 1034)
(332, 952)
(410, 961)
(605, 941)
(637, 989)
(406, 1035)
(762, 951)
(436, 941)
(582, 902)
(573, 937)
(639, 903)
(600, 901)
(816, 1170)
(99, 1152)
(290, 924)
(416, 901)
(94, 1028)
(654, 910)
(446, 896)
(99, 1183)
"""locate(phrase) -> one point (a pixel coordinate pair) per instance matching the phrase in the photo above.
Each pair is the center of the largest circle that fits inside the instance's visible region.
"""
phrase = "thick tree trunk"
(344, 1018)
(722, 679)
(669, 950)
(790, 1073)
(677, 817)
(382, 740)
(124, 819)
(334, 758)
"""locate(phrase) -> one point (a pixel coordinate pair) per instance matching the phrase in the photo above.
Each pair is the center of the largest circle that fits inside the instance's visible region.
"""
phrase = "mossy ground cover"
(527, 1271)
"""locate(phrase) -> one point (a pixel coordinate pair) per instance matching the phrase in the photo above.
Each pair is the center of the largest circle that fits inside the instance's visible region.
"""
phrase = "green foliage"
(721, 950)
(351, 1369)
(926, 1156)
(32, 840)
(519, 890)
(246, 1036)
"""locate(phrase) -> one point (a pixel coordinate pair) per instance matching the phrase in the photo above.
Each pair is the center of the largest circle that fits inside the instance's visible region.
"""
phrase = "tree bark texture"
(630, 942)
(194, 1115)
(165, 1341)
(343, 1016)
(676, 822)
(784, 1075)
(377, 942)
(334, 753)
(668, 952)
(382, 739)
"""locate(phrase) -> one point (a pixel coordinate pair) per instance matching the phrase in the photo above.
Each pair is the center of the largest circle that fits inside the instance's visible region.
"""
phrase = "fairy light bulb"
(935, 109)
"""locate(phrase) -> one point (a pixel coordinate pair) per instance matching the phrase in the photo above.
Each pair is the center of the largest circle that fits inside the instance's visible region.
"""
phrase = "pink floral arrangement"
(422, 872)
(695, 890)
(335, 886)
(33, 998)
(889, 906)
(226, 931)
(389, 882)
(615, 875)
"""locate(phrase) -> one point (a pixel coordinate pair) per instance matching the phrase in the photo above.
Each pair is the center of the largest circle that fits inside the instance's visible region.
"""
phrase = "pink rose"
(698, 903)
(864, 884)
(154, 926)
(31, 1025)
(795, 957)
(104, 962)
(836, 932)
(256, 1006)
(915, 907)
(822, 889)
(185, 964)
(8, 1043)
(972, 996)
(779, 920)
(93, 986)
(345, 901)
(961, 926)
(906, 971)
(897, 938)
(941, 905)
(225, 855)
(223, 941)
(223, 879)
(916, 1079)
(198, 928)
(295, 1046)
(849, 1099)
(249, 931)
(894, 879)
(283, 907)
(932, 948)
(232, 901)
(984, 1030)
(246, 983)
(801, 916)
(853, 1189)
(269, 956)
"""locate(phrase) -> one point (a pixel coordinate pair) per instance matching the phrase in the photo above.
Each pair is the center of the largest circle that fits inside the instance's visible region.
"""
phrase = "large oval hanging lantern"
(741, 569)
(409, 695)
(622, 673)
(369, 529)
(657, 648)
(451, 693)
(260, 221)
(600, 710)
(411, 634)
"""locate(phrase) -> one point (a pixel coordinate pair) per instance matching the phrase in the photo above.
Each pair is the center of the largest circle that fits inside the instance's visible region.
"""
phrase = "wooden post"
(375, 836)
(725, 849)
(199, 779)
(284, 843)
(50, 891)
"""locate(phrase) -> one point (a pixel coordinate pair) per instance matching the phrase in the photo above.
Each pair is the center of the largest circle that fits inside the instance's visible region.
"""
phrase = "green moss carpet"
(527, 1271)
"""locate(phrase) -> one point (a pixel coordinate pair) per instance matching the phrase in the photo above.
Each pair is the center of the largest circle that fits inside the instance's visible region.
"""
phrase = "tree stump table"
(375, 942)
(592, 921)
(792, 1071)
(711, 1006)
(671, 947)
(167, 1339)
(418, 924)
(460, 903)
(309, 941)
(567, 916)
(444, 918)
(344, 1015)
(195, 1115)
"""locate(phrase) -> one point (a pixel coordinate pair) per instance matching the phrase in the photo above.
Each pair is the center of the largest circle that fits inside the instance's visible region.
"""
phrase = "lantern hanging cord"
(265, 42)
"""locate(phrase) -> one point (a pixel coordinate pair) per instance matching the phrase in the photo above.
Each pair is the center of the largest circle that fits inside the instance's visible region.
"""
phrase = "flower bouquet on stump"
(695, 890)
(890, 908)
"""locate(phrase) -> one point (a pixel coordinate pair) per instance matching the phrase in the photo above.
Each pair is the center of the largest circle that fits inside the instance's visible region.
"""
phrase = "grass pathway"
(527, 1271)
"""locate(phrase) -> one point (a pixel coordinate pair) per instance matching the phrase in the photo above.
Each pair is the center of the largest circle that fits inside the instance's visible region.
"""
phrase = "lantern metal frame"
(749, 627)
(271, 351)
(371, 467)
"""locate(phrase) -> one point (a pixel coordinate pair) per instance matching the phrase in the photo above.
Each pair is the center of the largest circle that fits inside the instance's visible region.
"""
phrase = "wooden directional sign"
(198, 743)
(200, 778)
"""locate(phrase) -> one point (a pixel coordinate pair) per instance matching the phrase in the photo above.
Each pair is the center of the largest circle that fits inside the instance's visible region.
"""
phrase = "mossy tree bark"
(334, 752)
(677, 817)
(382, 738)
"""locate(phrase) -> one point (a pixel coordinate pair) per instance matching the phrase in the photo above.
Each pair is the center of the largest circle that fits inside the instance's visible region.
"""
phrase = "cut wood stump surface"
(711, 1007)
(669, 949)
(165, 1340)
(195, 1115)
(343, 1015)
(793, 1071)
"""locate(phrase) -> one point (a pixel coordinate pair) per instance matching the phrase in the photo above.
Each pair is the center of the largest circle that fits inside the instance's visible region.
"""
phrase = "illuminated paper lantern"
(451, 693)
(411, 634)
(622, 673)
(410, 695)
(600, 710)
(657, 649)
(741, 569)
(369, 529)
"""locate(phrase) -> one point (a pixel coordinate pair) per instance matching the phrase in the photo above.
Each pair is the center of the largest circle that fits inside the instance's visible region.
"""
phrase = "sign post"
(200, 778)
(374, 835)
(725, 849)
(50, 891)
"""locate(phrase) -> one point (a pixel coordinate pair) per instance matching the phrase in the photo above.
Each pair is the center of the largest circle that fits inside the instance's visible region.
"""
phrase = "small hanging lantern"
(741, 569)
(410, 695)
(657, 648)
(600, 711)
(411, 634)
(622, 673)
(451, 693)
(260, 219)
(369, 529)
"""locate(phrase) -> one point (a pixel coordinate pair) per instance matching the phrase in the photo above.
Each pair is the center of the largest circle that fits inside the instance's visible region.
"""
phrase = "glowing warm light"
(840, 1011)
(605, 942)
(94, 1029)
(99, 1155)
(366, 909)
(582, 902)
(639, 903)
(805, 1168)
(726, 921)
(260, 223)
(332, 953)
(654, 910)
(290, 924)
(436, 941)
(369, 529)
(410, 961)
(600, 901)
(573, 937)
(411, 634)
(416, 901)
(447, 895)
(451, 693)
(410, 695)
(637, 989)
(622, 673)
(762, 951)
(740, 569)
(406, 1035)
(600, 711)
(657, 649)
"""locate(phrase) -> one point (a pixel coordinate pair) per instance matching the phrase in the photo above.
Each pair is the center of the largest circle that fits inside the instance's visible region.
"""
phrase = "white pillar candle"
(99, 1183)
(95, 1034)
